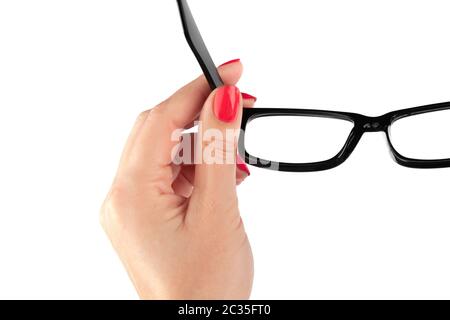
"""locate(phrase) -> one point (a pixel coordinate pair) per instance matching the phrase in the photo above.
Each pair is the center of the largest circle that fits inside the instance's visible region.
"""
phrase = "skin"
(177, 228)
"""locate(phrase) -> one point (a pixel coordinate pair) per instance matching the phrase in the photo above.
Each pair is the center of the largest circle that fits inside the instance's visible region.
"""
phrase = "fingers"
(220, 121)
(182, 186)
(186, 153)
(183, 183)
(185, 105)
(249, 100)
(153, 137)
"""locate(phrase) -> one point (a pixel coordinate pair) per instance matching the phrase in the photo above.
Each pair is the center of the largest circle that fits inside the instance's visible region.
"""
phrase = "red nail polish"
(248, 96)
(230, 62)
(226, 103)
(241, 165)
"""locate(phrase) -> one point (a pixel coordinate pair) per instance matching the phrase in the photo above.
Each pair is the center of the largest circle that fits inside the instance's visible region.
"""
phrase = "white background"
(75, 74)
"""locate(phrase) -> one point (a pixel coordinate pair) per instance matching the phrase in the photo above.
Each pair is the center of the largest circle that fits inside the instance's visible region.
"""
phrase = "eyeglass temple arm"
(197, 45)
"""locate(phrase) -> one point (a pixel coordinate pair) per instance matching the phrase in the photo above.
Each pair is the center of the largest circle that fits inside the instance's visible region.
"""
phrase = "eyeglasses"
(300, 140)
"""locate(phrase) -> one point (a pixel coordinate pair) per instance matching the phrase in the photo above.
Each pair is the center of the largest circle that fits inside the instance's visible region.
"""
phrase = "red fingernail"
(226, 103)
(241, 165)
(248, 96)
(230, 62)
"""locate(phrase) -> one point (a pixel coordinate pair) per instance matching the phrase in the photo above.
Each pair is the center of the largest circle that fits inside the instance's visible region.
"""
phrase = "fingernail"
(248, 96)
(226, 103)
(241, 165)
(230, 62)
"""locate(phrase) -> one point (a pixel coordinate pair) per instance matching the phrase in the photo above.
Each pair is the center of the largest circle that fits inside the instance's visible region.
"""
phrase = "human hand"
(177, 228)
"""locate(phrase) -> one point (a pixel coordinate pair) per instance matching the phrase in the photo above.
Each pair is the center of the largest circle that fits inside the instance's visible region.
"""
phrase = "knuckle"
(143, 115)
(222, 207)
(208, 204)
(220, 151)
(114, 206)
(155, 116)
(157, 111)
(152, 113)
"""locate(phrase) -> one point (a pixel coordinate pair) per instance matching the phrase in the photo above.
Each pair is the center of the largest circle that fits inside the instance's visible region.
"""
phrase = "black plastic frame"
(362, 123)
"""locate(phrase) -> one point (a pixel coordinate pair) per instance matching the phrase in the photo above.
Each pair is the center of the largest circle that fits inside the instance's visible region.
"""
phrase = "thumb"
(220, 121)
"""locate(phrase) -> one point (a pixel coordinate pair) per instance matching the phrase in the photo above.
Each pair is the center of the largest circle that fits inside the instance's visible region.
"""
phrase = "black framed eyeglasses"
(300, 140)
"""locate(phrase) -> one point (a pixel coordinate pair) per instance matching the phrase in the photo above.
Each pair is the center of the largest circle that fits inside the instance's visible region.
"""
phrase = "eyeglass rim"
(362, 123)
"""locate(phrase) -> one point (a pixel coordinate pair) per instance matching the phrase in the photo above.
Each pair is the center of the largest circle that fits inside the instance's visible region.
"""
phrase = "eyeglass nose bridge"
(374, 124)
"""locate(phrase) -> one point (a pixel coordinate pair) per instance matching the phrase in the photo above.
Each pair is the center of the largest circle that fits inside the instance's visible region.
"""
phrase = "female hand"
(177, 228)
